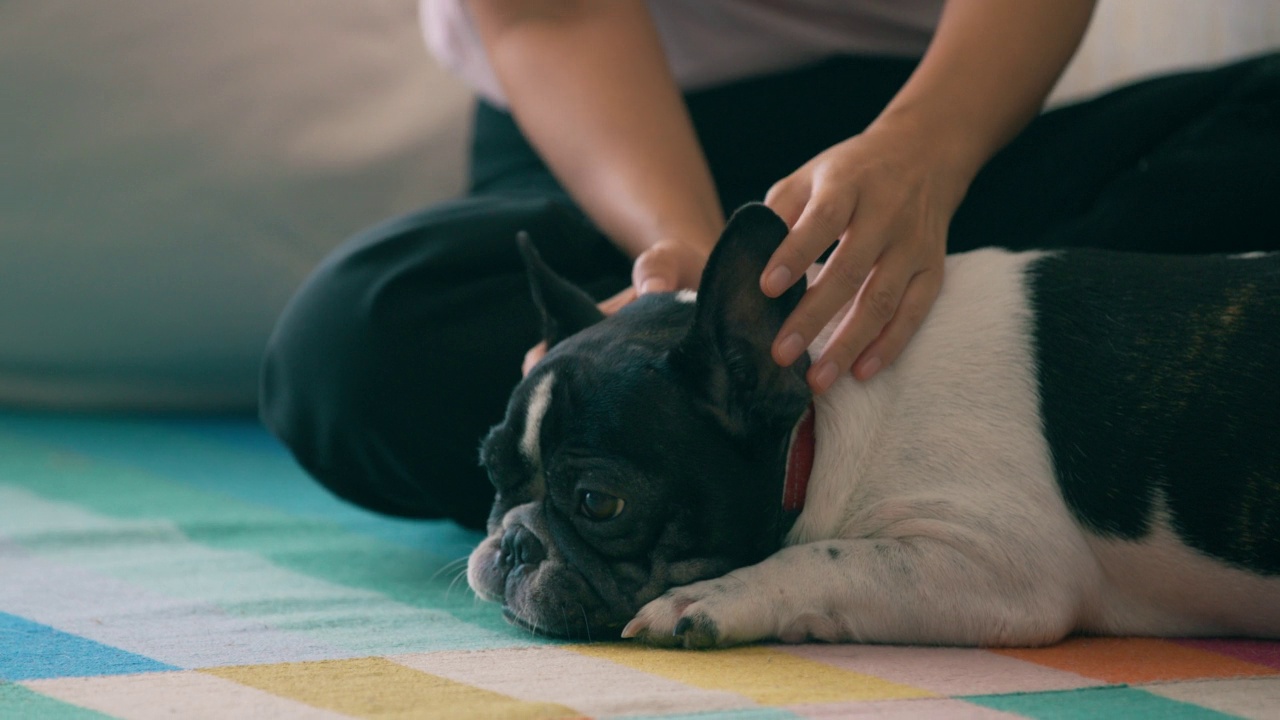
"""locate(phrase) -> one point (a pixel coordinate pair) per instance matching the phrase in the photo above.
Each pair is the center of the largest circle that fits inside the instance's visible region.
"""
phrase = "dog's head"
(647, 449)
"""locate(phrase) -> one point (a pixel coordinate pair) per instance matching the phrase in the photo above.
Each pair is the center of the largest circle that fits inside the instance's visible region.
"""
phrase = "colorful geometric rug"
(180, 568)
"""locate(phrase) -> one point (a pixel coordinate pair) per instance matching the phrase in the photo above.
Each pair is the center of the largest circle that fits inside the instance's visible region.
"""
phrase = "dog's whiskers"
(462, 574)
(585, 623)
(449, 566)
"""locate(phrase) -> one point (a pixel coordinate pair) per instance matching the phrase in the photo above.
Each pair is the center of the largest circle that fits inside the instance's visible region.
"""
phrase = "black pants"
(399, 352)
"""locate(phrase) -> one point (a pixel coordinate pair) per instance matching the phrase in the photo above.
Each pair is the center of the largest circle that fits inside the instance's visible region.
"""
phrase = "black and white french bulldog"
(1075, 441)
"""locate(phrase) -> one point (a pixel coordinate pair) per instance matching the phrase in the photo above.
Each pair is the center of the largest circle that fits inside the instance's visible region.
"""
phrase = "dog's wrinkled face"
(646, 450)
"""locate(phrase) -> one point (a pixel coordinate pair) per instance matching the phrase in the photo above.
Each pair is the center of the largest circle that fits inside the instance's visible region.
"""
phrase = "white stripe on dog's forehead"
(687, 296)
(538, 402)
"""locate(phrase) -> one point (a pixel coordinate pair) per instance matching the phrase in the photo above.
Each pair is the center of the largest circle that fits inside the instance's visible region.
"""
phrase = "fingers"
(819, 221)
(669, 265)
(881, 194)
(654, 272)
(885, 315)
(912, 310)
(892, 294)
(532, 357)
(837, 282)
(873, 308)
(615, 303)
(788, 197)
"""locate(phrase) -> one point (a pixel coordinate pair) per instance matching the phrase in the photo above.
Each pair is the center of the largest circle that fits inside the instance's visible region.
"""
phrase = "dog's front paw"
(702, 615)
(676, 619)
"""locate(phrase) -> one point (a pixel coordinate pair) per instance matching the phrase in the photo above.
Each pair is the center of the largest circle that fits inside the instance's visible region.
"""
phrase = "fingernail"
(778, 281)
(653, 286)
(825, 375)
(790, 348)
(868, 368)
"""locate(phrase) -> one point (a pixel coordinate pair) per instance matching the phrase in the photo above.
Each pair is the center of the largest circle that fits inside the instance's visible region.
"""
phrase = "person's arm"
(589, 85)
(889, 193)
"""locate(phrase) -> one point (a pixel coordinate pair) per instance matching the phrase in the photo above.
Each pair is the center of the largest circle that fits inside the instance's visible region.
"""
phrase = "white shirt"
(710, 42)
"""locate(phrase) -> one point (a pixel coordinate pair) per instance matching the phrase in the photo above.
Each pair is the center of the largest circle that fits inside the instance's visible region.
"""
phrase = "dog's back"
(1159, 380)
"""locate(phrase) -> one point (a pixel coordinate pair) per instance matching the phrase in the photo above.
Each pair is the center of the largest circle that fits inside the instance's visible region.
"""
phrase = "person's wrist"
(952, 154)
(654, 228)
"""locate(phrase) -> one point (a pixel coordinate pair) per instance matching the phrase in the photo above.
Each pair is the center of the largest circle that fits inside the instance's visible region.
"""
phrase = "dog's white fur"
(531, 439)
(933, 514)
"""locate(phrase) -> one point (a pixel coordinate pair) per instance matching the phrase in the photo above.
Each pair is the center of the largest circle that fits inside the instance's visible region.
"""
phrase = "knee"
(315, 386)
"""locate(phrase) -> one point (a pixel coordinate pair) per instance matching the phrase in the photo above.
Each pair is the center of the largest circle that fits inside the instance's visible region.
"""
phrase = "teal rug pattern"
(185, 567)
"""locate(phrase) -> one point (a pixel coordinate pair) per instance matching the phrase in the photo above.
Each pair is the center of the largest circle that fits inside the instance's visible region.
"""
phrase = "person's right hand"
(886, 196)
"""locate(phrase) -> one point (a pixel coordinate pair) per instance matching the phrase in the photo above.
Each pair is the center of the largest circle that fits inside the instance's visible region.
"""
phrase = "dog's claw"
(635, 628)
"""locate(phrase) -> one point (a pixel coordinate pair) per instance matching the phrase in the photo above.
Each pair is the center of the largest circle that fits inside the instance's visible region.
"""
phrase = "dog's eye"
(601, 506)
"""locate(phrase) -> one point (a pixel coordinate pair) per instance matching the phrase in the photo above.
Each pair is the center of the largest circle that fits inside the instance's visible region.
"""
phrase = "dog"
(1075, 441)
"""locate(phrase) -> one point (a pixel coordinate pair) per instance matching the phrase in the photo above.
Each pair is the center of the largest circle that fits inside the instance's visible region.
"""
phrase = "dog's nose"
(521, 547)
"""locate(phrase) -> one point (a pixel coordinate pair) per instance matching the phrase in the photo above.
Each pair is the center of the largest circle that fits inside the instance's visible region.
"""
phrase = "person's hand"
(887, 198)
(666, 266)
(670, 265)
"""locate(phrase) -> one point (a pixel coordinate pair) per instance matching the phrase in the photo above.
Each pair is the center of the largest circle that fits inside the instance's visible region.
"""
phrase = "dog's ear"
(726, 354)
(564, 307)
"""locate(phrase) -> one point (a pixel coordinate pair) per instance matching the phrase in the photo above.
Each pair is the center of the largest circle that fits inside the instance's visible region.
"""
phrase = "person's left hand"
(665, 266)
(887, 198)
(670, 265)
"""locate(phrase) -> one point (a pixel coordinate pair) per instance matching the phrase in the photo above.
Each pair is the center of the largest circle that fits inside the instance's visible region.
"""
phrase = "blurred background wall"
(171, 169)
(1130, 39)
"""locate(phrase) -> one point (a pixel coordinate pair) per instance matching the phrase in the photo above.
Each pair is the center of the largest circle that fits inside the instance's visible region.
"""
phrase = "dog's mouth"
(571, 628)
(543, 598)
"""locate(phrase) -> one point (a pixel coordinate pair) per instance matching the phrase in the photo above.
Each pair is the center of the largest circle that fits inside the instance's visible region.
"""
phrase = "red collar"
(799, 464)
